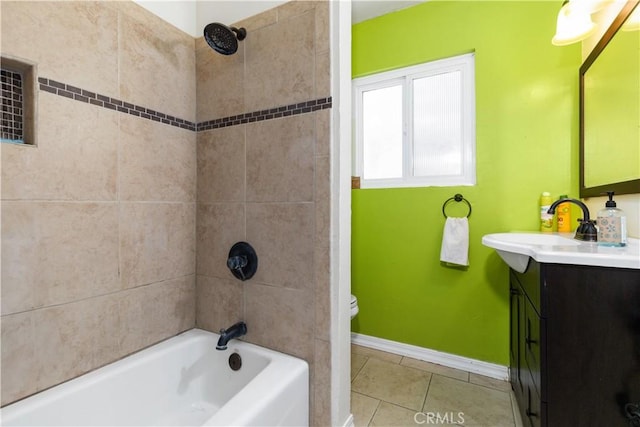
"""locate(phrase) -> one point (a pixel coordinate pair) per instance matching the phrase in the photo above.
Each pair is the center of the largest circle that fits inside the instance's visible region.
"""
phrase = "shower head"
(223, 39)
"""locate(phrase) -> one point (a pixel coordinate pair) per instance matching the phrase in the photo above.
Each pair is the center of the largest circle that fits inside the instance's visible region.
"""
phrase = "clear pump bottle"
(546, 219)
(612, 224)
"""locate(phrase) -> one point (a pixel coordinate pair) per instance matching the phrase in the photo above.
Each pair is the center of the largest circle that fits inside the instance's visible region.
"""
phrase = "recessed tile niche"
(19, 97)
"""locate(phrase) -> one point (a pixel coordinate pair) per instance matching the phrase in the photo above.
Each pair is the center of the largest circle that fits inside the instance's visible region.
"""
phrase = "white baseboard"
(445, 359)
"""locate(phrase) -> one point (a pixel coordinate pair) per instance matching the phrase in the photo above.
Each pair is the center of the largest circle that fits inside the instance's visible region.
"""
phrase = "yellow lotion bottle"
(564, 215)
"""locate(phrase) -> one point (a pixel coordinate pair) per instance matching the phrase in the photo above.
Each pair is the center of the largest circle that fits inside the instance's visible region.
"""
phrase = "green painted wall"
(527, 142)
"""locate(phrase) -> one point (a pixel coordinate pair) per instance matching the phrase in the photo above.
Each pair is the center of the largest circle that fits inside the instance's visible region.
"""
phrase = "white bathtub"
(183, 381)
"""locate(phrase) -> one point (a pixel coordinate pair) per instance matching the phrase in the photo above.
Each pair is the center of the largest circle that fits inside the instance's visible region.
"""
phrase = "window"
(415, 126)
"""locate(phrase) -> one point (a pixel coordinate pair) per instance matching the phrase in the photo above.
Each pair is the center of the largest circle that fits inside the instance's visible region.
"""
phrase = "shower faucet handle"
(237, 262)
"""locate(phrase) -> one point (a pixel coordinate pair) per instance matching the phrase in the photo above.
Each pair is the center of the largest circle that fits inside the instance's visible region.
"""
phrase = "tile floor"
(389, 390)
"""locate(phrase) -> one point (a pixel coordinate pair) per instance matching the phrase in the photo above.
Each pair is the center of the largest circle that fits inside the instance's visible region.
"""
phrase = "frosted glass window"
(415, 126)
(437, 133)
(382, 129)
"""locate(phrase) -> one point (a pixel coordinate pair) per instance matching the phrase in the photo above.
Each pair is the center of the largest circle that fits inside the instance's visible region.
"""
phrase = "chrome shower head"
(223, 39)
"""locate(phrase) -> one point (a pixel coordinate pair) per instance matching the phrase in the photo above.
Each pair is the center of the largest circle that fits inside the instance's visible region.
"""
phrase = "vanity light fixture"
(574, 23)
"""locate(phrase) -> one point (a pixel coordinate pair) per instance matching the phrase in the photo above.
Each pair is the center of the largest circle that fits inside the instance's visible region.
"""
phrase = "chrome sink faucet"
(586, 231)
(235, 331)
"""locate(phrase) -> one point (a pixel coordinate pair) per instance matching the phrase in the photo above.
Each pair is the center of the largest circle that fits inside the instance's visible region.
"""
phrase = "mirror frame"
(624, 187)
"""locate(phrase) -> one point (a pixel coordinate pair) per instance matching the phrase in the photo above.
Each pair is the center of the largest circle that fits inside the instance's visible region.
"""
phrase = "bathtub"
(183, 381)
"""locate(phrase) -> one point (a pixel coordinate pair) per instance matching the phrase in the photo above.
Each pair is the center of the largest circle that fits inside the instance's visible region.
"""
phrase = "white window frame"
(465, 64)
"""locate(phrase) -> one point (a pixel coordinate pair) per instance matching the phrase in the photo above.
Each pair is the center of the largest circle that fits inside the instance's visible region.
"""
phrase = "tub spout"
(226, 335)
(586, 231)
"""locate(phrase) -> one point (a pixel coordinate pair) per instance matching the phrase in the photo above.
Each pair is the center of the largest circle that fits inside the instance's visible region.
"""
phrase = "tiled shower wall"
(263, 177)
(98, 220)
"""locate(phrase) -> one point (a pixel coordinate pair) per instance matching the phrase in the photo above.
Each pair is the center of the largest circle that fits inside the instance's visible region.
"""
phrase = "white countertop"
(560, 248)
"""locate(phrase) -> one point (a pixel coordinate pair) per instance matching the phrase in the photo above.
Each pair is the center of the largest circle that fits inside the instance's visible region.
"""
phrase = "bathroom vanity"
(575, 328)
(575, 344)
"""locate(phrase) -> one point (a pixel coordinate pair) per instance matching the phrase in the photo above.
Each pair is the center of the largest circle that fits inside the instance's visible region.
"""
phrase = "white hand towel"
(455, 241)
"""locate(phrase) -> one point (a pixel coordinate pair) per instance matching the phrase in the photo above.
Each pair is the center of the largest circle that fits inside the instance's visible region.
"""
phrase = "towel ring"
(457, 198)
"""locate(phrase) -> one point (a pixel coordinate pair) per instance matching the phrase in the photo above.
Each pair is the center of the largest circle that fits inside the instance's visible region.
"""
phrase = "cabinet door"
(533, 406)
(531, 331)
(593, 344)
(515, 314)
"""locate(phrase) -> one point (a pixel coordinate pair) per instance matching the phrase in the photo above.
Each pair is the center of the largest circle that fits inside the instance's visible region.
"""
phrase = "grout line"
(376, 411)
(361, 368)
(102, 295)
(424, 402)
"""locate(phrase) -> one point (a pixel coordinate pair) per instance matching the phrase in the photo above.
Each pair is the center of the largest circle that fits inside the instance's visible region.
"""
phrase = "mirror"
(610, 111)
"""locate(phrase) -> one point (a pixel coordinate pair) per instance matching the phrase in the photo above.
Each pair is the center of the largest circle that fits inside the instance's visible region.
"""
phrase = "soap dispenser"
(612, 224)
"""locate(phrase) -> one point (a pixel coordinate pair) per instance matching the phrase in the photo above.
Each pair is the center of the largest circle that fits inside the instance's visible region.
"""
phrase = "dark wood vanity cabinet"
(575, 344)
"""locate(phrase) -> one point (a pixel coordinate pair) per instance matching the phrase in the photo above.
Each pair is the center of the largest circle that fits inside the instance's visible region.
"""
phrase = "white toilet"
(354, 306)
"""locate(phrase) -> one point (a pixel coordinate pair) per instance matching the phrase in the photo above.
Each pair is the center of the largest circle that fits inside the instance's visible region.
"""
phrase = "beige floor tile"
(377, 354)
(357, 362)
(490, 382)
(392, 383)
(363, 407)
(481, 406)
(389, 415)
(435, 368)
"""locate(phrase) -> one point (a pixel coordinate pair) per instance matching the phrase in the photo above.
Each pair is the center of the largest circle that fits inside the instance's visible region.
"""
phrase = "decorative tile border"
(89, 97)
(86, 96)
(273, 113)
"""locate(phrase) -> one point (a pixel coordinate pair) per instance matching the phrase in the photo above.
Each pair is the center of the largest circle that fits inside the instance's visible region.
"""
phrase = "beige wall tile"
(18, 375)
(321, 414)
(157, 242)
(219, 227)
(76, 156)
(294, 8)
(323, 26)
(56, 252)
(221, 165)
(155, 312)
(322, 288)
(157, 161)
(63, 341)
(219, 302)
(157, 65)
(323, 75)
(281, 319)
(322, 260)
(280, 162)
(283, 56)
(282, 235)
(323, 133)
(323, 198)
(106, 329)
(220, 82)
(266, 18)
(73, 42)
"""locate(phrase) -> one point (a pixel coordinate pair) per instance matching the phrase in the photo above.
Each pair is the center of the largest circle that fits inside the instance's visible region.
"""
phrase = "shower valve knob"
(242, 261)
